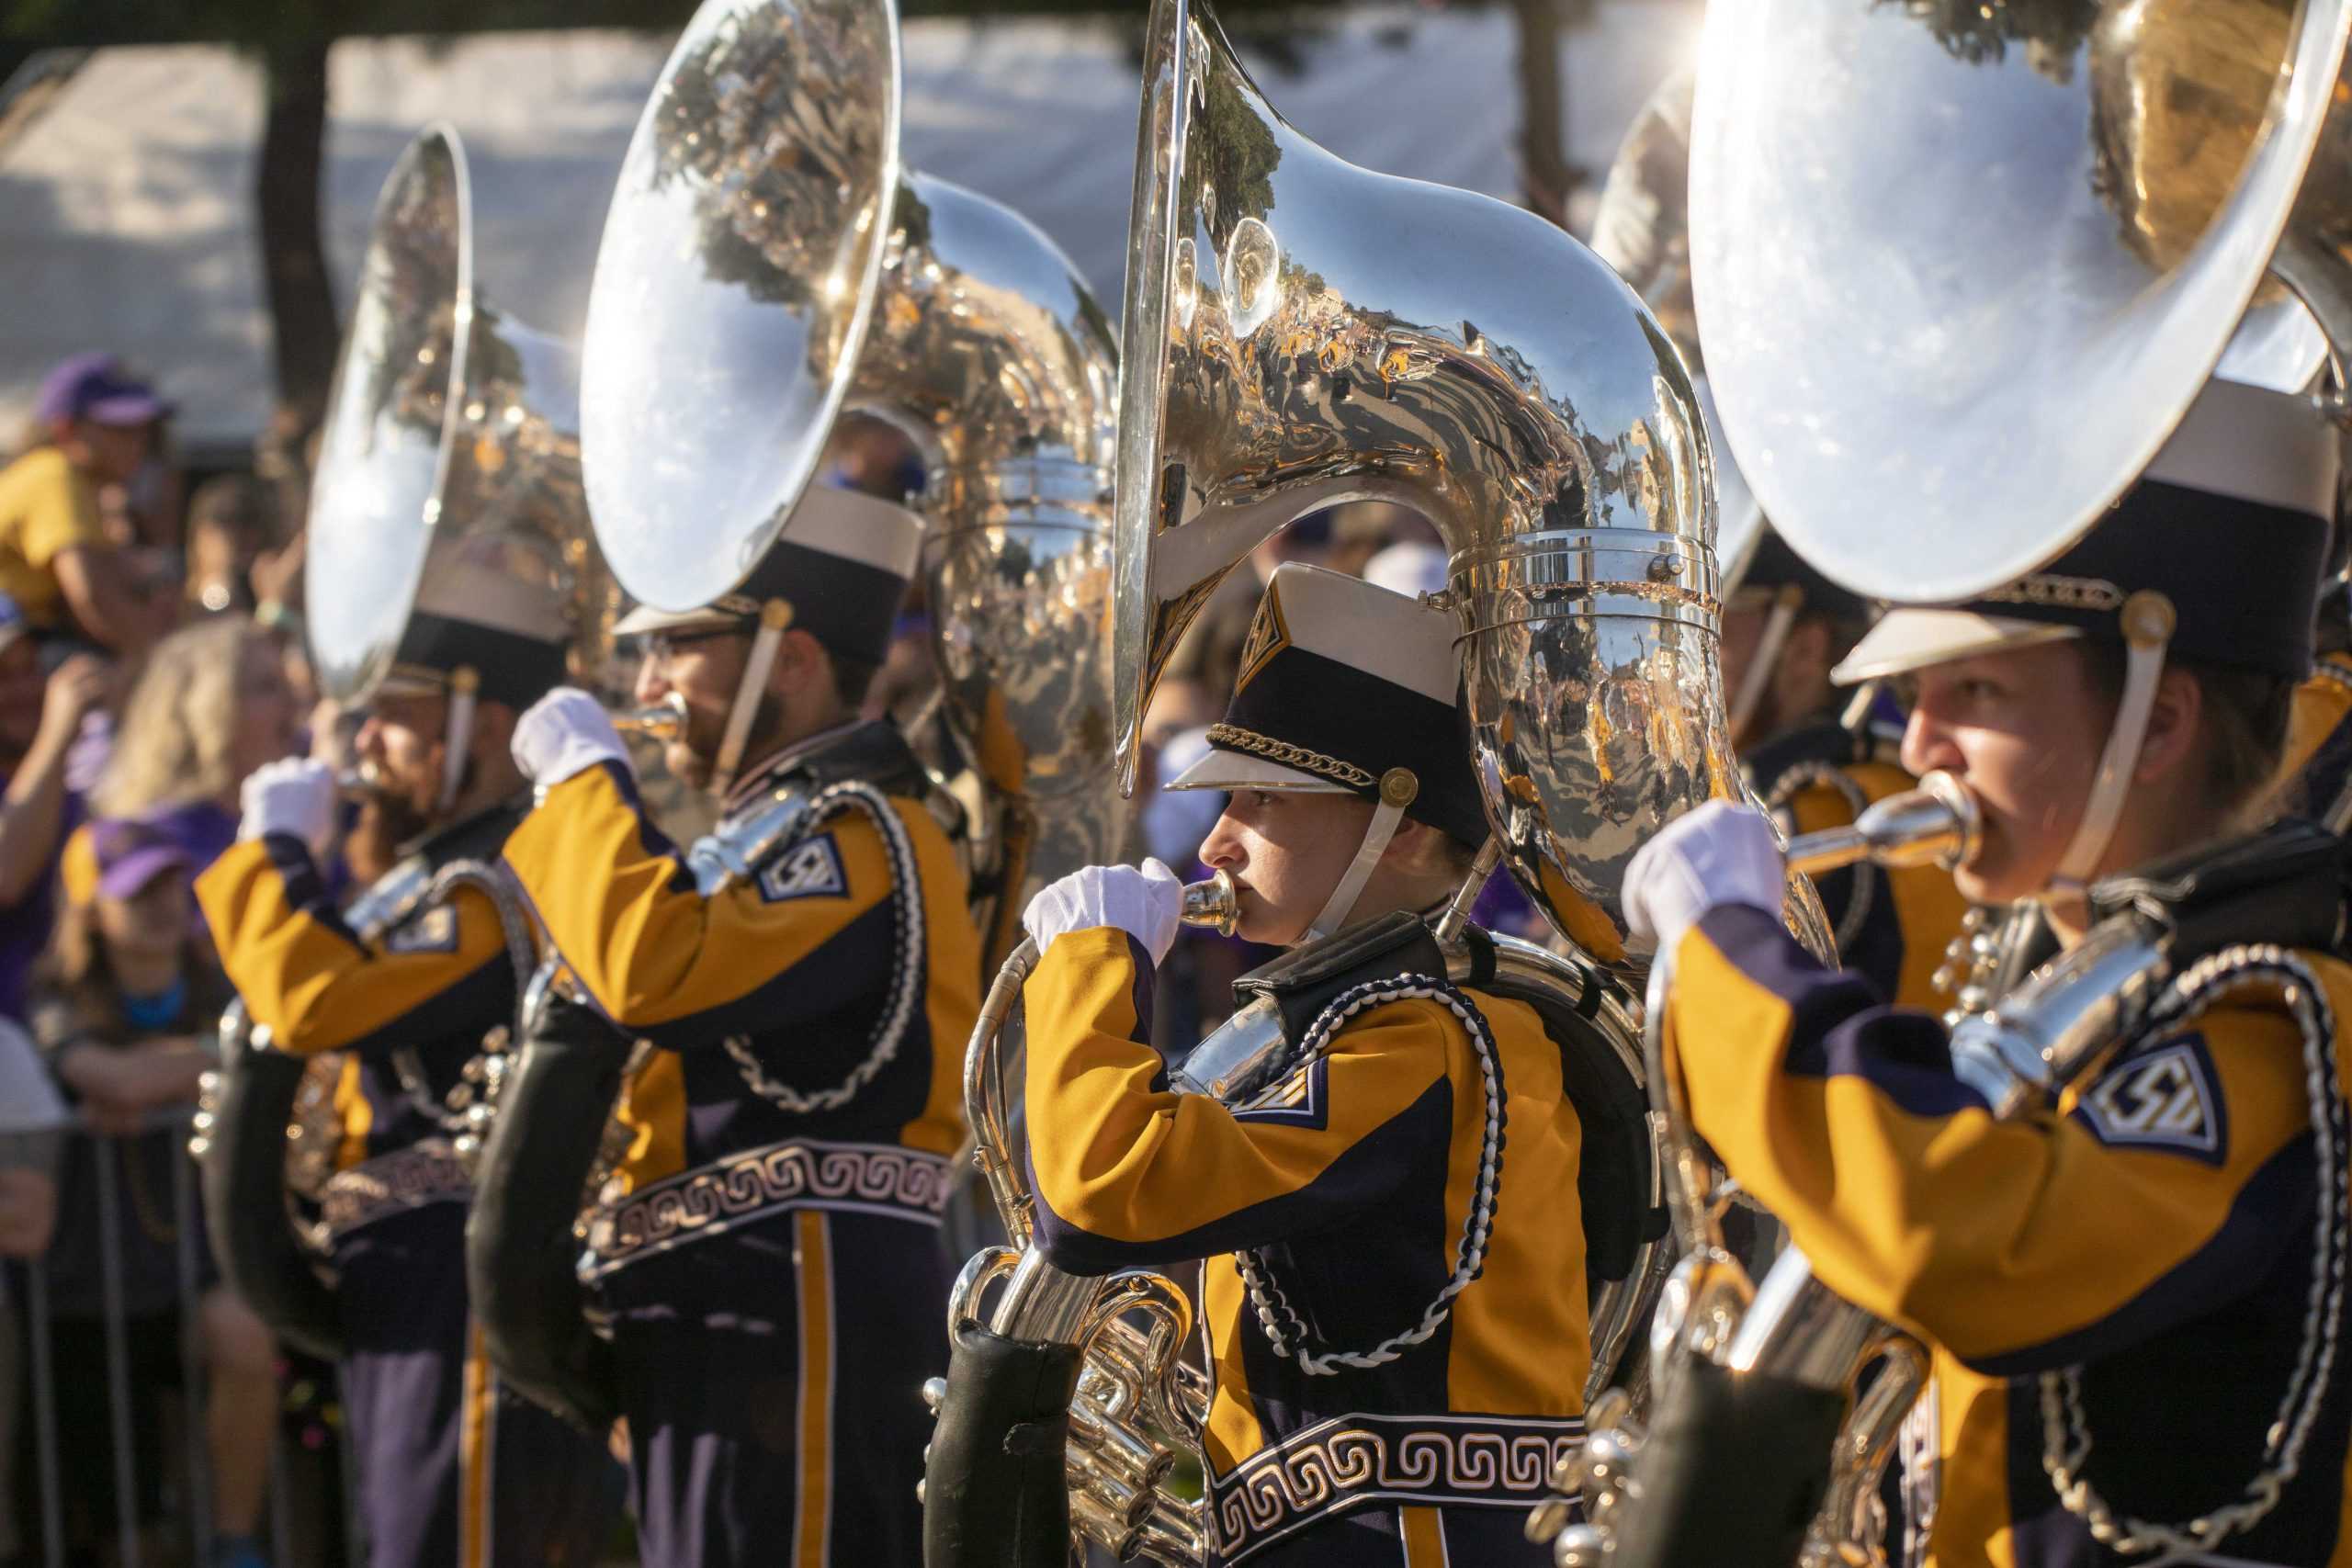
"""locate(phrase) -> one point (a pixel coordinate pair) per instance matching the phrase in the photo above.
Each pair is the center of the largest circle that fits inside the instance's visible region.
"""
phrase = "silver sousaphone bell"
(450, 446)
(767, 265)
(1300, 332)
(1960, 270)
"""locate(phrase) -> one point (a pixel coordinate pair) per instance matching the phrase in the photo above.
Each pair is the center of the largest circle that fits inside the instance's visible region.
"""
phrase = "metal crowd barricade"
(44, 1145)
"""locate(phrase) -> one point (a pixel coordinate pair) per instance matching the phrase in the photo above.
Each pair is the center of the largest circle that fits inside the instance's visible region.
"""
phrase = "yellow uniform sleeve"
(308, 978)
(1125, 1171)
(683, 970)
(2160, 1191)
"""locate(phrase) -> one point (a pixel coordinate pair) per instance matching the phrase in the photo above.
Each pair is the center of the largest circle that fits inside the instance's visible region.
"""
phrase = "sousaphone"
(768, 267)
(1962, 268)
(449, 449)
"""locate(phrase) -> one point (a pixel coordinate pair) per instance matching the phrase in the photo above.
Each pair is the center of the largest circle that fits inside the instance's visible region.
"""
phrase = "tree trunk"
(1546, 177)
(303, 332)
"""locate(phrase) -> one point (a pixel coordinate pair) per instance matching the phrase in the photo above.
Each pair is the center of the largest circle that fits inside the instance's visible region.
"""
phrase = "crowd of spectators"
(148, 661)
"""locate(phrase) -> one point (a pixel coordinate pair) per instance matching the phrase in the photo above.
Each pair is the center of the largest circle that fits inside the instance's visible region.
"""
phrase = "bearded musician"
(769, 1256)
(2115, 1291)
(1379, 1275)
(409, 986)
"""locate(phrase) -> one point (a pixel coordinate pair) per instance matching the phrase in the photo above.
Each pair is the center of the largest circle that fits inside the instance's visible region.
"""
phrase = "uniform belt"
(422, 1174)
(1349, 1461)
(798, 1173)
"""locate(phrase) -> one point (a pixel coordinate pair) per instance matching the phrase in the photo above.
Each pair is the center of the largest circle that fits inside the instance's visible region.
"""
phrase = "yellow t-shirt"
(46, 507)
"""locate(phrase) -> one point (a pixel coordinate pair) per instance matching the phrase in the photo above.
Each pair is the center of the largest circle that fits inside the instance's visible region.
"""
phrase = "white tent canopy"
(126, 205)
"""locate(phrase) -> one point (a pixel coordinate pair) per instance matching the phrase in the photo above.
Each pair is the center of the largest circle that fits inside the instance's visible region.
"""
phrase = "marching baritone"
(452, 1468)
(1383, 1284)
(768, 1255)
(2115, 1291)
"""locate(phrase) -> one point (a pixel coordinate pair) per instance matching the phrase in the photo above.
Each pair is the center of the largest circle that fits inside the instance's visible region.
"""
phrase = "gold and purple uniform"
(1895, 927)
(1345, 1201)
(452, 1468)
(769, 1251)
(2156, 1230)
(2317, 767)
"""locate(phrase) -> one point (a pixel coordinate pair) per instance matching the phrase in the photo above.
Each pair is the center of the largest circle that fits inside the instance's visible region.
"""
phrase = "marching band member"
(1785, 629)
(1381, 1281)
(452, 1469)
(771, 1262)
(2115, 1290)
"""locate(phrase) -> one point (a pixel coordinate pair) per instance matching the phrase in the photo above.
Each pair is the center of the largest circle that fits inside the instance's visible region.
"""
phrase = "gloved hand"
(293, 796)
(1143, 902)
(1721, 853)
(563, 733)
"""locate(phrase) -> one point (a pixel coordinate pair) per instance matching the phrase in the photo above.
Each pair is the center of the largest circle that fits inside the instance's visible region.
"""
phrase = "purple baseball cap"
(133, 852)
(96, 387)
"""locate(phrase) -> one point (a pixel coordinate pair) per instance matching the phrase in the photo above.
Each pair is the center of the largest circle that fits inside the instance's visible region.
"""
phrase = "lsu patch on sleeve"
(2164, 1099)
(809, 869)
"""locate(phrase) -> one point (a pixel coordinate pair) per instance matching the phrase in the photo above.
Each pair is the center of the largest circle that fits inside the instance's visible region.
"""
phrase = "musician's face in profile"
(2023, 729)
(704, 671)
(401, 746)
(1288, 851)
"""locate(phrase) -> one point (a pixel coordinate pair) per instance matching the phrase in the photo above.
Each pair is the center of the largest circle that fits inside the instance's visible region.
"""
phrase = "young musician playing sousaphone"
(2135, 1338)
(1389, 1296)
(768, 1255)
(409, 987)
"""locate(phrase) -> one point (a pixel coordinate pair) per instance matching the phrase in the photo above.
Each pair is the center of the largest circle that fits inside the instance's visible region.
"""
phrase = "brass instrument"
(1712, 1317)
(769, 266)
(448, 452)
(2017, 316)
(1280, 356)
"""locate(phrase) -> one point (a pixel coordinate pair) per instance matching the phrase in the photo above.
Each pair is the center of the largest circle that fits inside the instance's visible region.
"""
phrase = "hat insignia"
(1269, 635)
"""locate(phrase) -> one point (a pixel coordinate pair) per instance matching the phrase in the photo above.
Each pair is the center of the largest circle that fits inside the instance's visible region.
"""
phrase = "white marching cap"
(2236, 443)
(845, 524)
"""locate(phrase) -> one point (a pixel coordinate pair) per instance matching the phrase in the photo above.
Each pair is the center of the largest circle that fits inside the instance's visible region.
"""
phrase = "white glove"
(563, 733)
(295, 795)
(1721, 853)
(1144, 903)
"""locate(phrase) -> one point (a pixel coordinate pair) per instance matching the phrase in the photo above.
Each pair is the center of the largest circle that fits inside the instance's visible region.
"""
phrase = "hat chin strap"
(1398, 788)
(2148, 621)
(1766, 657)
(775, 616)
(457, 735)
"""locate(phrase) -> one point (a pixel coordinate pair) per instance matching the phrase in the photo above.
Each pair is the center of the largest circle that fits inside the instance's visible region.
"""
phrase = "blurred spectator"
(211, 706)
(130, 1004)
(92, 426)
(228, 529)
(39, 720)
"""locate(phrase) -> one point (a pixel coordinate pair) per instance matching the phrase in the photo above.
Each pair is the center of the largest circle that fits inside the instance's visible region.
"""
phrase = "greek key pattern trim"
(407, 1178)
(1478, 1460)
(798, 1174)
(1288, 755)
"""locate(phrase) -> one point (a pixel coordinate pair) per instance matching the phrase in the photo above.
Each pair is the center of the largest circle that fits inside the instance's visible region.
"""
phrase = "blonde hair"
(176, 743)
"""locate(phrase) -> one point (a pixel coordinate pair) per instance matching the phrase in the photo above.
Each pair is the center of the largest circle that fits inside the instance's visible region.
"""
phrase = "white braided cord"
(1287, 1332)
(515, 924)
(906, 907)
(2066, 1430)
